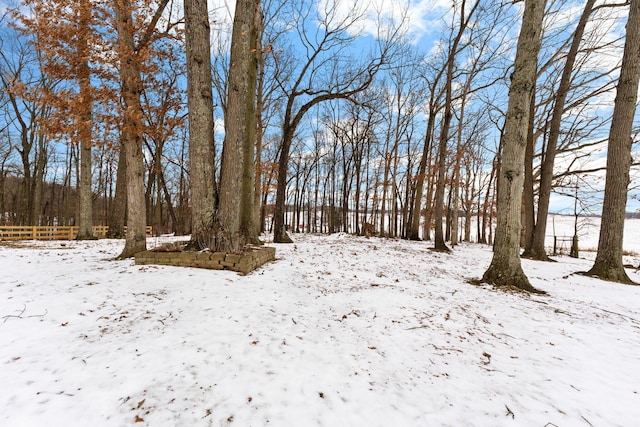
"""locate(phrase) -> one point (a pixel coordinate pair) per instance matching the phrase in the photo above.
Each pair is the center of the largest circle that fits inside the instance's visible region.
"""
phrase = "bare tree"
(537, 250)
(26, 86)
(505, 268)
(434, 106)
(402, 91)
(608, 264)
(65, 49)
(131, 51)
(465, 19)
(326, 73)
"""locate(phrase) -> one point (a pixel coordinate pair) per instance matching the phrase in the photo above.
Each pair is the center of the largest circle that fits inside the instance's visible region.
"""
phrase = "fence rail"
(53, 232)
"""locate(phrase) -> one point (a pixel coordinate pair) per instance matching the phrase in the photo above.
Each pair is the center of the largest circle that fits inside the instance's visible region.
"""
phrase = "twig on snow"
(586, 420)
(510, 412)
(417, 327)
(21, 314)
(15, 315)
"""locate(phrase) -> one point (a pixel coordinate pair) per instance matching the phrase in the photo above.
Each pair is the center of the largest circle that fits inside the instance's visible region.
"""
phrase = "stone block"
(242, 263)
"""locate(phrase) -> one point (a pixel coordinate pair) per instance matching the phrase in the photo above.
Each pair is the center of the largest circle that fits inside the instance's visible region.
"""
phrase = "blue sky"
(424, 20)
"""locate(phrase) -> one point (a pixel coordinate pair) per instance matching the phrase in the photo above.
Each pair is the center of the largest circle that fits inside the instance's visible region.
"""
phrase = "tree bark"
(528, 203)
(505, 269)
(608, 264)
(279, 230)
(136, 240)
(251, 18)
(237, 168)
(85, 124)
(259, 129)
(40, 167)
(201, 143)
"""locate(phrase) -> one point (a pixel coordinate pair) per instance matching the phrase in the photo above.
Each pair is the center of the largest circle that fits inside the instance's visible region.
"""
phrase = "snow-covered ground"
(339, 331)
(562, 226)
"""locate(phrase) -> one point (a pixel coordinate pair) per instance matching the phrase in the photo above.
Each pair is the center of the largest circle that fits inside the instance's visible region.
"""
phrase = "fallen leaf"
(137, 419)
(140, 403)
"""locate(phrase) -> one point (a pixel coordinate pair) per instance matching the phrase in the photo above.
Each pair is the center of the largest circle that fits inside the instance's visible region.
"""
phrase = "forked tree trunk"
(608, 264)
(505, 268)
(237, 168)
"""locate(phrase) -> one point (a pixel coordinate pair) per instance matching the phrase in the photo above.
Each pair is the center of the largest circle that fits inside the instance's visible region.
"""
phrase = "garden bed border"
(243, 263)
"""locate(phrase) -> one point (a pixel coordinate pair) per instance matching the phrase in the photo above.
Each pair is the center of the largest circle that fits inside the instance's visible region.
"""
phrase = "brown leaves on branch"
(66, 33)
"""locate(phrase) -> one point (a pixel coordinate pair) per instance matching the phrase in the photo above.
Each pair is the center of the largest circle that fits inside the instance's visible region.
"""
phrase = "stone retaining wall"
(242, 263)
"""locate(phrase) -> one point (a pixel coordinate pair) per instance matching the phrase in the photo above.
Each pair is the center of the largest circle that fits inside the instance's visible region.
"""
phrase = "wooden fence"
(54, 232)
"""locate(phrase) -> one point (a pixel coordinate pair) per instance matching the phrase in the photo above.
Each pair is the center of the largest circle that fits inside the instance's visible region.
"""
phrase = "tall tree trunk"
(428, 214)
(505, 268)
(136, 238)
(167, 196)
(85, 210)
(251, 54)
(201, 143)
(65, 194)
(237, 168)
(385, 184)
(38, 181)
(528, 209)
(279, 230)
(546, 170)
(439, 241)
(260, 102)
(183, 196)
(85, 124)
(156, 219)
(117, 213)
(3, 208)
(358, 175)
(608, 263)
(455, 203)
(25, 211)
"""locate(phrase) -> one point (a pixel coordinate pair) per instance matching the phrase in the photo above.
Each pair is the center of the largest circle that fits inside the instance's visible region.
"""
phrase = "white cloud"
(419, 17)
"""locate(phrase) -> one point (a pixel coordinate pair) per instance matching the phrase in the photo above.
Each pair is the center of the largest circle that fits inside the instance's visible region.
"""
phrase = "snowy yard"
(339, 331)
